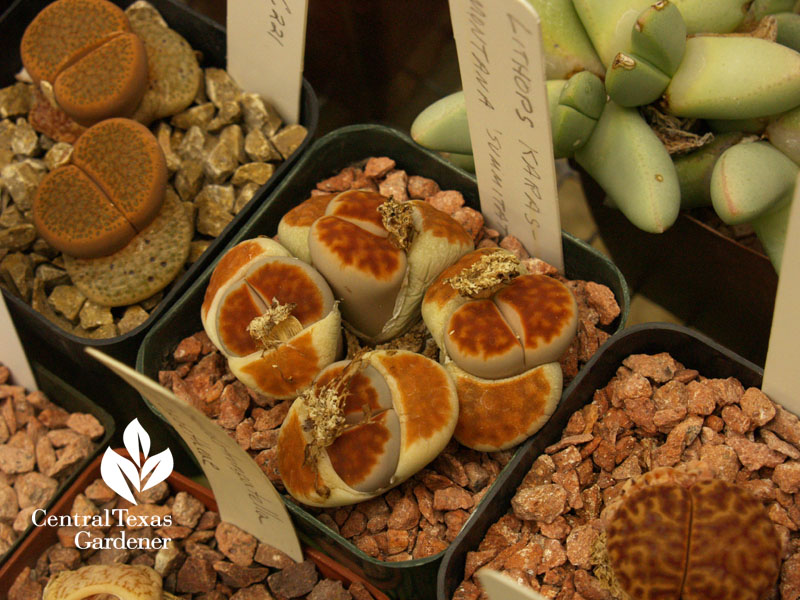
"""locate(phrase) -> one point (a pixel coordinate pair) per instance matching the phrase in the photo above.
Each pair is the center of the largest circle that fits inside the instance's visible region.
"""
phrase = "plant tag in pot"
(501, 587)
(501, 60)
(13, 354)
(244, 495)
(266, 40)
(781, 377)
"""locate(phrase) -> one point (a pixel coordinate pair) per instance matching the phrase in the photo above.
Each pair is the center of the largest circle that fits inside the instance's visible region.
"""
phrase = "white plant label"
(501, 587)
(244, 495)
(266, 44)
(500, 55)
(781, 375)
(13, 354)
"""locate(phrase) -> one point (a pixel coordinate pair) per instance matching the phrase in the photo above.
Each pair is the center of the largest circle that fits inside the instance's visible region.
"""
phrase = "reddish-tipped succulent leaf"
(273, 316)
(365, 427)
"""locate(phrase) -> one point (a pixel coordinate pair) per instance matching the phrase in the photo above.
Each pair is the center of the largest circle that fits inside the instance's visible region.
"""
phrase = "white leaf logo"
(124, 475)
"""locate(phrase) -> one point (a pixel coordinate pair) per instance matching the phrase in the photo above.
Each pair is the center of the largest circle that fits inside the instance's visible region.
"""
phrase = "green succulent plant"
(724, 74)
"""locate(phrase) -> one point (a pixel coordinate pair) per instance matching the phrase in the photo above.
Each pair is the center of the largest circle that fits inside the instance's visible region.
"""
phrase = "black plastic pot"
(68, 398)
(209, 38)
(410, 579)
(704, 278)
(694, 350)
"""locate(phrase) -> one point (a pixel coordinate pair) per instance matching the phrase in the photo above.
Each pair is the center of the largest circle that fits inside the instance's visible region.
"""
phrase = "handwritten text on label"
(502, 68)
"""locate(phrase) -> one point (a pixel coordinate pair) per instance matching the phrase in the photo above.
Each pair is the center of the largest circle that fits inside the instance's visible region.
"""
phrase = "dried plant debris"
(218, 151)
(486, 276)
(654, 413)
(275, 326)
(675, 133)
(206, 559)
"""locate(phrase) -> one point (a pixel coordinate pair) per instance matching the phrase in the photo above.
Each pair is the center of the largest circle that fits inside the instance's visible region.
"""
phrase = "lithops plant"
(695, 70)
(366, 426)
(146, 265)
(125, 582)
(272, 316)
(378, 255)
(678, 536)
(113, 189)
(84, 54)
(501, 332)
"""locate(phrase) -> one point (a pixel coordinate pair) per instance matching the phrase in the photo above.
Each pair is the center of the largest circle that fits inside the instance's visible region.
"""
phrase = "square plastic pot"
(209, 38)
(694, 350)
(339, 149)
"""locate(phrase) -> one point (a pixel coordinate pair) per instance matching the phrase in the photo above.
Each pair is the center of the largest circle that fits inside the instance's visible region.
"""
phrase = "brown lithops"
(378, 255)
(502, 332)
(273, 316)
(114, 189)
(146, 265)
(365, 426)
(693, 540)
(83, 50)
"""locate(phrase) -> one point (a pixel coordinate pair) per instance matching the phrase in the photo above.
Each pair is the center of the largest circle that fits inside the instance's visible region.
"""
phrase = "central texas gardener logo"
(139, 473)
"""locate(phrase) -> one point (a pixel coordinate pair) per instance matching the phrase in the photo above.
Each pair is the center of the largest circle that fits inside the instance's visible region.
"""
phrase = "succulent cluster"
(668, 105)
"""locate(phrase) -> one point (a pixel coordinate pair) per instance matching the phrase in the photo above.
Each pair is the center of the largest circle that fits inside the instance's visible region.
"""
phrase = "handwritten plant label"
(781, 376)
(500, 56)
(266, 42)
(244, 495)
(501, 587)
(13, 354)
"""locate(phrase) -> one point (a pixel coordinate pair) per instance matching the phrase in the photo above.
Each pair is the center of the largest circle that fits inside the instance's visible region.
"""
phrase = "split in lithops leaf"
(719, 16)
(85, 51)
(378, 255)
(125, 582)
(272, 316)
(771, 230)
(751, 179)
(609, 24)
(630, 162)
(501, 332)
(659, 36)
(734, 78)
(113, 190)
(574, 106)
(632, 81)
(693, 540)
(365, 426)
(146, 265)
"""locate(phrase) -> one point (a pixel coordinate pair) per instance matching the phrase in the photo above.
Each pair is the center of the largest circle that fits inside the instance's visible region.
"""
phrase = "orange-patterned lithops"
(273, 316)
(113, 189)
(85, 50)
(502, 332)
(127, 582)
(366, 426)
(377, 254)
(693, 540)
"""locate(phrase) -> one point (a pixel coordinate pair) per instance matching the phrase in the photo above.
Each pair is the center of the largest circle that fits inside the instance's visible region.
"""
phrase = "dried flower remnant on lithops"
(273, 316)
(501, 331)
(365, 426)
(378, 254)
